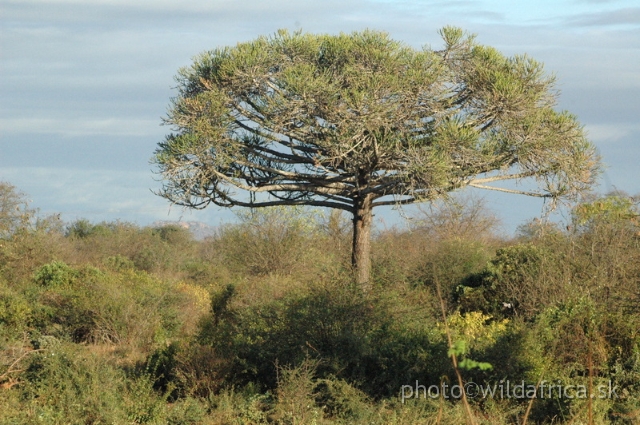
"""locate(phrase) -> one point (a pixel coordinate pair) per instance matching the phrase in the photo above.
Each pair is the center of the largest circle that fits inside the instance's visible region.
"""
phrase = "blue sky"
(85, 83)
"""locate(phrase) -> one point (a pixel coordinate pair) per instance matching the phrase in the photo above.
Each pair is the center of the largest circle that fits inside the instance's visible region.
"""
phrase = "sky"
(85, 83)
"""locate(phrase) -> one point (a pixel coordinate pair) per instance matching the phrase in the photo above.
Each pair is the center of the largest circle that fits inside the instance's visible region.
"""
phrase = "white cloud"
(82, 127)
(100, 195)
(628, 16)
(603, 133)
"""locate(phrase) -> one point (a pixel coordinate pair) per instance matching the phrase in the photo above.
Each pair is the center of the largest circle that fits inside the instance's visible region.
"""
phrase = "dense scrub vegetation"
(109, 323)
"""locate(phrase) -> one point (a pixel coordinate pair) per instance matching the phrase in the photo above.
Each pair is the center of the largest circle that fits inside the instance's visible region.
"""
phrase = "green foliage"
(270, 240)
(119, 263)
(173, 234)
(469, 364)
(613, 208)
(295, 394)
(80, 229)
(354, 339)
(576, 324)
(585, 344)
(108, 307)
(68, 385)
(204, 336)
(511, 283)
(15, 214)
(460, 349)
(149, 249)
(161, 367)
(55, 274)
(417, 259)
(15, 311)
(354, 89)
(473, 331)
(340, 400)
(220, 303)
(453, 261)
(84, 229)
(350, 121)
(187, 411)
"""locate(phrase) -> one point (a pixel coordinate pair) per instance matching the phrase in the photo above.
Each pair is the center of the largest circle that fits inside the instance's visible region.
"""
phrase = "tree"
(356, 121)
(614, 209)
(15, 213)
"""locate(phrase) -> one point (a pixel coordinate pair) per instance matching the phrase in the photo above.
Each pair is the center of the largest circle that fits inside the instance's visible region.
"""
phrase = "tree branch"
(518, 192)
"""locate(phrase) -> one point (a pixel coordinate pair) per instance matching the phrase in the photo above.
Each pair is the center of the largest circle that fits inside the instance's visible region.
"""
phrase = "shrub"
(615, 209)
(415, 259)
(583, 342)
(340, 400)
(355, 339)
(69, 385)
(161, 366)
(295, 400)
(520, 280)
(15, 214)
(119, 263)
(260, 324)
(15, 312)
(55, 274)
(126, 307)
(278, 240)
(456, 218)
(173, 235)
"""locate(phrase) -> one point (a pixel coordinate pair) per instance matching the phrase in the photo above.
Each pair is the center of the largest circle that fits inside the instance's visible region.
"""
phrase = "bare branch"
(517, 192)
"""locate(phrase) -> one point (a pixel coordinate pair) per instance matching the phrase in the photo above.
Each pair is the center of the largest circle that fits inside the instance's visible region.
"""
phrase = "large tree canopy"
(355, 121)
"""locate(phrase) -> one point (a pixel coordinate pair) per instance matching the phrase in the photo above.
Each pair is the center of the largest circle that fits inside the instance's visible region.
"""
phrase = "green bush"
(15, 312)
(582, 342)
(270, 241)
(521, 280)
(340, 400)
(125, 307)
(354, 338)
(615, 209)
(119, 263)
(68, 385)
(187, 411)
(173, 235)
(15, 214)
(55, 274)
(161, 366)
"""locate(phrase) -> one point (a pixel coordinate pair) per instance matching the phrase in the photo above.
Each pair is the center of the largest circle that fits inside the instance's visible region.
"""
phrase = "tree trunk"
(361, 251)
